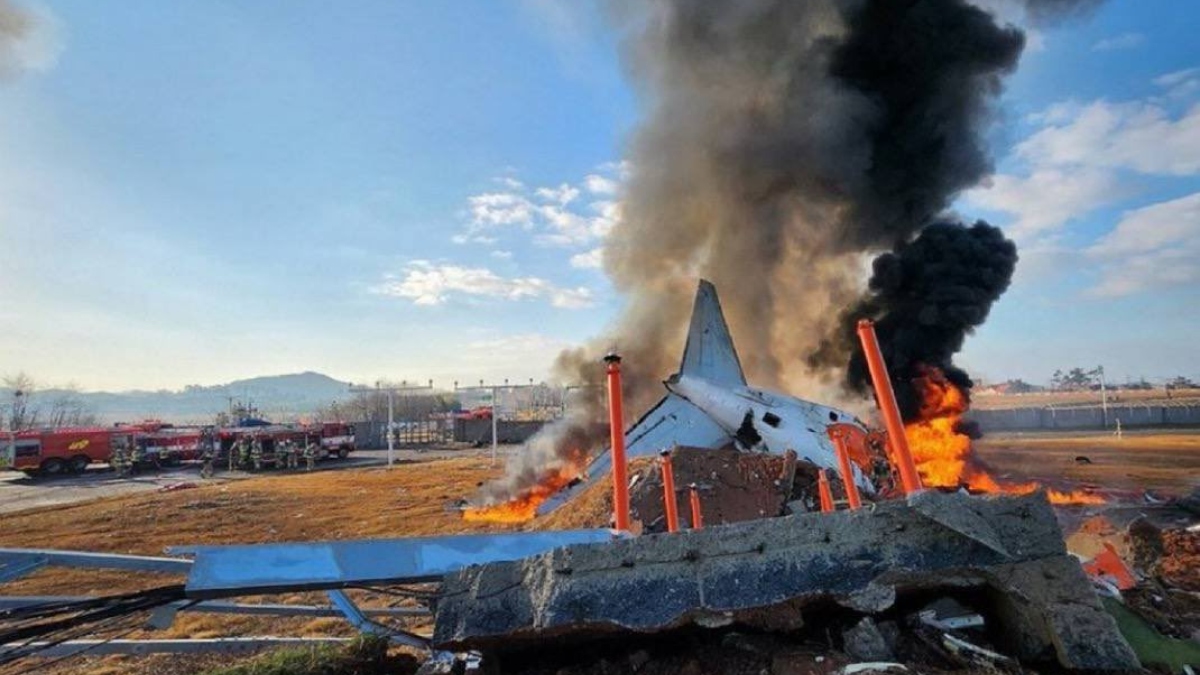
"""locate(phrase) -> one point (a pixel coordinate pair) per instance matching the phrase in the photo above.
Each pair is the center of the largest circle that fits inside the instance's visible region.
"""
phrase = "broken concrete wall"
(764, 573)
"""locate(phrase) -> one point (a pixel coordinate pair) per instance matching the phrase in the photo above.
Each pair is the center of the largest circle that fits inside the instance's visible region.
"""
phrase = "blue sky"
(193, 192)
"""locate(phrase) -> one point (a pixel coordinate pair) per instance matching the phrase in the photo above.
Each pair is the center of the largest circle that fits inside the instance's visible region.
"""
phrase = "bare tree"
(30, 407)
(67, 409)
(21, 388)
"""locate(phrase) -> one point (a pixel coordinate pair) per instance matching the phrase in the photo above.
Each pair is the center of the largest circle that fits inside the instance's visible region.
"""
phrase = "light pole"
(12, 427)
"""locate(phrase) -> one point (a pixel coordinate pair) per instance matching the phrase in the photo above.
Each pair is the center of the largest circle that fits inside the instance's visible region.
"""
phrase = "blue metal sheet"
(85, 560)
(263, 568)
(13, 567)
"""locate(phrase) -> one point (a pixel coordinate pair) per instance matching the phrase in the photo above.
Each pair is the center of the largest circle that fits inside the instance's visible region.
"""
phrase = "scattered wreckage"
(932, 577)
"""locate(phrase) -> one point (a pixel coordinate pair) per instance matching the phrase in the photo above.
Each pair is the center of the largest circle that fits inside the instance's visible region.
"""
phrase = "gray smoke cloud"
(28, 40)
(783, 144)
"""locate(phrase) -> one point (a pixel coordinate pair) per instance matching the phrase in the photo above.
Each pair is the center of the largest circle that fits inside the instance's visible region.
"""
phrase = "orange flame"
(943, 453)
(523, 507)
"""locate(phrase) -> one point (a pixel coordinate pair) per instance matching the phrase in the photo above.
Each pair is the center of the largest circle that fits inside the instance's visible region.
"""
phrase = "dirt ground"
(415, 498)
(1166, 463)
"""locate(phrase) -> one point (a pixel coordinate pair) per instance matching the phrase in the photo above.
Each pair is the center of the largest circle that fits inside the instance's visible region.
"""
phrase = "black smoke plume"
(783, 141)
(925, 298)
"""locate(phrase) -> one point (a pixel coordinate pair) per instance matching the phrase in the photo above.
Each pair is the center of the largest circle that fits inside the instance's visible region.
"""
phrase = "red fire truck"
(54, 452)
(337, 438)
(333, 439)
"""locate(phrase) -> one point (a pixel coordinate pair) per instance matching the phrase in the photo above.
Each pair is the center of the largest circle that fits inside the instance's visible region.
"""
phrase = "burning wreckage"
(903, 573)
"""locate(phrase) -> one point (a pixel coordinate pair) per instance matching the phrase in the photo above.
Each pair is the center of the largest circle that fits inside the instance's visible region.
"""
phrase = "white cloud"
(592, 259)
(1138, 136)
(428, 284)
(514, 347)
(563, 194)
(1119, 42)
(1076, 160)
(600, 185)
(510, 182)
(492, 209)
(502, 255)
(554, 214)
(1046, 198)
(1152, 247)
(1181, 84)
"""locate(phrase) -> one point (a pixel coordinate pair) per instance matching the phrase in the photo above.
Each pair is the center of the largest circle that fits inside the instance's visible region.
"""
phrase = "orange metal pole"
(616, 422)
(694, 498)
(826, 493)
(886, 398)
(671, 507)
(843, 456)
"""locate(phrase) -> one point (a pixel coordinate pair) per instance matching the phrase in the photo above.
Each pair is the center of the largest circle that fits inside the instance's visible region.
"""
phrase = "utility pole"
(391, 390)
(1103, 399)
(12, 428)
(495, 389)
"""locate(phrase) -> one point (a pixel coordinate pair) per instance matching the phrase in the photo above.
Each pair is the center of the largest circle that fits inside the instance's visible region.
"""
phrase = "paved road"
(19, 492)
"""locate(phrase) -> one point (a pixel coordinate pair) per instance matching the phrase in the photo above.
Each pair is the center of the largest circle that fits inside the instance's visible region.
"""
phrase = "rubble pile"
(734, 487)
(854, 579)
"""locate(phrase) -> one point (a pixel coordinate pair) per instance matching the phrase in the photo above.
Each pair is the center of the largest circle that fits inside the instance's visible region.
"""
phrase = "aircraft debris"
(770, 574)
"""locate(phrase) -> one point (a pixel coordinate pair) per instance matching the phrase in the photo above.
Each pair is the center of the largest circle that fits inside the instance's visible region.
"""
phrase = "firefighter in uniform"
(256, 453)
(208, 456)
(310, 455)
(120, 458)
(244, 453)
(293, 454)
(235, 451)
(137, 455)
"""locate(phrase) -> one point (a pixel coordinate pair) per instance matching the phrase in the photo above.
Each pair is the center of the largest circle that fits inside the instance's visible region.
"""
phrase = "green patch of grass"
(1152, 648)
(366, 655)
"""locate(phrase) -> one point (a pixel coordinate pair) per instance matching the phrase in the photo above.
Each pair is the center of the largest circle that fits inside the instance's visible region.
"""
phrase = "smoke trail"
(28, 41)
(14, 29)
(926, 297)
(782, 143)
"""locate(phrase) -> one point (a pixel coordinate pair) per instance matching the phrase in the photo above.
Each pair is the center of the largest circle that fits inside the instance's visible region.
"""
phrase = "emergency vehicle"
(54, 452)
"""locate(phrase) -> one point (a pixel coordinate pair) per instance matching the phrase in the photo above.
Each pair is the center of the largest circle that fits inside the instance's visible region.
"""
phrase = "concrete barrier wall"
(1130, 417)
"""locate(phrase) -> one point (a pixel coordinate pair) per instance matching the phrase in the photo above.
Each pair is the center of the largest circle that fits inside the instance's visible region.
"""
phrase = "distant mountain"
(277, 397)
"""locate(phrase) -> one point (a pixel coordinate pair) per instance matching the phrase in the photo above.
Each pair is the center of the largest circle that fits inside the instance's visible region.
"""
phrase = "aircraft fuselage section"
(781, 422)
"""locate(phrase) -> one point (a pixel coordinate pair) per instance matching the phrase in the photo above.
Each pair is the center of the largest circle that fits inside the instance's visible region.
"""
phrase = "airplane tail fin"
(709, 353)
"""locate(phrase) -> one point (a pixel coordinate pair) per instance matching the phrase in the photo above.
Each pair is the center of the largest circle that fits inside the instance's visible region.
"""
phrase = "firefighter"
(137, 455)
(119, 460)
(235, 449)
(256, 453)
(244, 453)
(310, 455)
(293, 454)
(208, 456)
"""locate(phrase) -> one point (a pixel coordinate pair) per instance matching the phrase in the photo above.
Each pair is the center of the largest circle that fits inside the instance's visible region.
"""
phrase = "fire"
(943, 453)
(523, 507)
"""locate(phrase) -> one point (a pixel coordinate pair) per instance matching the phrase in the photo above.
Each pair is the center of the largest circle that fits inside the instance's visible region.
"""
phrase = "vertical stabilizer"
(709, 353)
